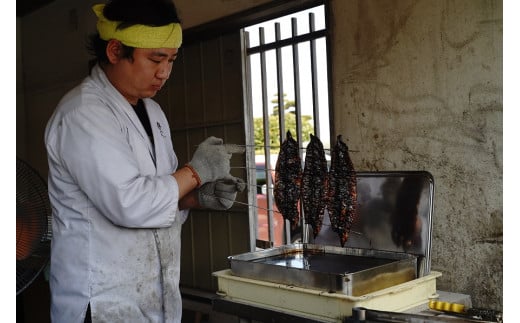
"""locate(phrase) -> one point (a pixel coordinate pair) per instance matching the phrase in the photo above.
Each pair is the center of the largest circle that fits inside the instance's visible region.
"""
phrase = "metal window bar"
(250, 154)
(279, 79)
(267, 139)
(315, 102)
(277, 45)
(296, 76)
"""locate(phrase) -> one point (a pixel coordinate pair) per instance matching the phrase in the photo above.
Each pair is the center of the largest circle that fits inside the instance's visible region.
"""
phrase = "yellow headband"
(138, 36)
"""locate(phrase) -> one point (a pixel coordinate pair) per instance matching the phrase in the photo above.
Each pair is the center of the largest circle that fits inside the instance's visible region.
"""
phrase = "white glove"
(221, 194)
(211, 160)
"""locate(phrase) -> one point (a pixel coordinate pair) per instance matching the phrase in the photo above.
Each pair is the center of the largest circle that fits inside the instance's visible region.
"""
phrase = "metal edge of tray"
(403, 269)
(298, 247)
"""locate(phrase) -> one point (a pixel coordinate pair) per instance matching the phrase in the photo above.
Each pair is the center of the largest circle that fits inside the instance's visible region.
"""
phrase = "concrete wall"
(417, 85)
(197, 12)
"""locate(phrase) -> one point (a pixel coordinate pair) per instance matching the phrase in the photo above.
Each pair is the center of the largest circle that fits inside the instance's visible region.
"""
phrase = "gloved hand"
(211, 160)
(220, 195)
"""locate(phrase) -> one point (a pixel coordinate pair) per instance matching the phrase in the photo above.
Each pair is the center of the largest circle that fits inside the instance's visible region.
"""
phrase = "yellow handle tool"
(446, 306)
(480, 314)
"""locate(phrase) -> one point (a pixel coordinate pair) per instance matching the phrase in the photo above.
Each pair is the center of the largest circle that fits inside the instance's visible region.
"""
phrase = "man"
(117, 194)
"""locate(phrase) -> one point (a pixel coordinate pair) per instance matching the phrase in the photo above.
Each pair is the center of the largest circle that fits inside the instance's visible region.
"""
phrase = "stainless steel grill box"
(388, 202)
(350, 271)
(385, 263)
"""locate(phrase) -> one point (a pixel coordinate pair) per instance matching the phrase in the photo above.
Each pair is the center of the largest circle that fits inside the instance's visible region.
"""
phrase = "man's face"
(145, 74)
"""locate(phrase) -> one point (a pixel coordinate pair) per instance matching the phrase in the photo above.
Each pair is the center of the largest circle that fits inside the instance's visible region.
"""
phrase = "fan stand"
(33, 225)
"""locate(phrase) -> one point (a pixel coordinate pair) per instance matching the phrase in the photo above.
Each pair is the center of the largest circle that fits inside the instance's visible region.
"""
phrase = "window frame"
(250, 158)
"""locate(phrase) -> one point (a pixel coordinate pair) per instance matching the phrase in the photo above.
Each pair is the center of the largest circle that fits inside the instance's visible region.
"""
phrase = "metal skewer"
(237, 148)
(275, 211)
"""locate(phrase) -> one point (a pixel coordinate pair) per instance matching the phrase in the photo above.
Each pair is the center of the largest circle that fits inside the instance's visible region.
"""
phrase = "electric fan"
(33, 225)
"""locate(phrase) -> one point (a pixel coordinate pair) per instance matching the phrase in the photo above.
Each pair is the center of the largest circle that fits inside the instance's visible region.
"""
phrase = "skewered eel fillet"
(314, 184)
(342, 191)
(287, 182)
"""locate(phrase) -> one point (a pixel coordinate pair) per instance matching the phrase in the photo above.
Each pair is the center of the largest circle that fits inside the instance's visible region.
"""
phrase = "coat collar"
(119, 102)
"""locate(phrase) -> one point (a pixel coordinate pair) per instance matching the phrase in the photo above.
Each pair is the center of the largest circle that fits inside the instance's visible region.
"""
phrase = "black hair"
(131, 12)
(97, 48)
(143, 12)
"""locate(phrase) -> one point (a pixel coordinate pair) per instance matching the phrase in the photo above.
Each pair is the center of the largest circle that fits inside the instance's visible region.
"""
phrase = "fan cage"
(33, 225)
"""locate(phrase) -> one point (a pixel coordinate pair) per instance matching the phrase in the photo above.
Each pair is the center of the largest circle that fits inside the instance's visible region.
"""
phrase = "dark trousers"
(88, 317)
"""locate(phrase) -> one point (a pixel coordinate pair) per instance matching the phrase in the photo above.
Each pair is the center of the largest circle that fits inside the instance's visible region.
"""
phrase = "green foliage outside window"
(274, 127)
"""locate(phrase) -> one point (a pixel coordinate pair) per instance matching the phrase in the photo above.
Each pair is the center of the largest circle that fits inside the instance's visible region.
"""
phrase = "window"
(287, 89)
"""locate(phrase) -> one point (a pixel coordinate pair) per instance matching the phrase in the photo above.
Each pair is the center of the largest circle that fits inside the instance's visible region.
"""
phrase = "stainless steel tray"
(349, 271)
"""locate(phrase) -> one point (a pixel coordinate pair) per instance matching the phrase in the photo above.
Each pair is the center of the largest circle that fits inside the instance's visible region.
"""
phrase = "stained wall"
(417, 85)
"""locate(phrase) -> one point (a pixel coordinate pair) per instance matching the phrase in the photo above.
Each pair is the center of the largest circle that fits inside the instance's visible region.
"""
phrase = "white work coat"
(116, 223)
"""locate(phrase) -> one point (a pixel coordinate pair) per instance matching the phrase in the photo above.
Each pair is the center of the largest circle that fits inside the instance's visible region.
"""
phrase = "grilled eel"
(314, 184)
(342, 191)
(287, 183)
